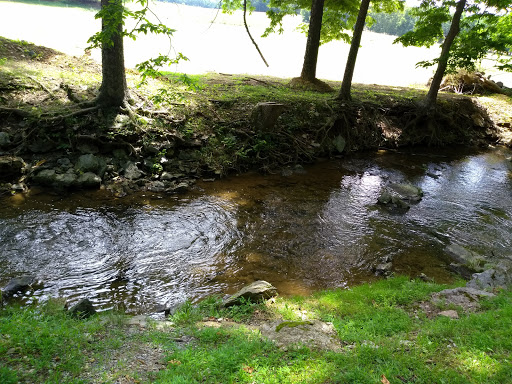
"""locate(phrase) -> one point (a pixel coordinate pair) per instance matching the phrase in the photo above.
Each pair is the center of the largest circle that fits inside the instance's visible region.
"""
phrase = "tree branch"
(250, 36)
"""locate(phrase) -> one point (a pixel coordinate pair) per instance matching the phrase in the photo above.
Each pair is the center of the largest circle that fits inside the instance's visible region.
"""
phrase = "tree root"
(15, 111)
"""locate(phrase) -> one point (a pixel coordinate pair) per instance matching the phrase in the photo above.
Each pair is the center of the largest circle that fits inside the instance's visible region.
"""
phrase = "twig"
(72, 114)
(249, 33)
(261, 81)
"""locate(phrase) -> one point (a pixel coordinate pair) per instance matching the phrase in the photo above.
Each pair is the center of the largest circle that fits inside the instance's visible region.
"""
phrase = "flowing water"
(318, 228)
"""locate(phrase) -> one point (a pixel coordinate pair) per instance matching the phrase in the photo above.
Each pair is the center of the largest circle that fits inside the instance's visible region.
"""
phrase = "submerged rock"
(398, 197)
(466, 258)
(17, 285)
(257, 291)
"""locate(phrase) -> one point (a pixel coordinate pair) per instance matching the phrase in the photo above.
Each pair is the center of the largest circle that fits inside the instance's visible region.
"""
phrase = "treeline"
(396, 23)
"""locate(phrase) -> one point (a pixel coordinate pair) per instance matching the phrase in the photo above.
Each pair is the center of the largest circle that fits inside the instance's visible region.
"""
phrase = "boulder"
(11, 168)
(465, 297)
(88, 180)
(45, 177)
(468, 259)
(82, 310)
(17, 285)
(407, 192)
(312, 334)
(91, 163)
(64, 180)
(383, 269)
(131, 171)
(498, 277)
(257, 291)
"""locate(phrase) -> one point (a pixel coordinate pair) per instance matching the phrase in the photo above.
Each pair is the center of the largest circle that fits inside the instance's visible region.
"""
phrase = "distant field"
(218, 43)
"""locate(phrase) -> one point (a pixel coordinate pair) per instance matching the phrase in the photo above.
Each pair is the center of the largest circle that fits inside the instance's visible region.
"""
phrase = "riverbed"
(304, 229)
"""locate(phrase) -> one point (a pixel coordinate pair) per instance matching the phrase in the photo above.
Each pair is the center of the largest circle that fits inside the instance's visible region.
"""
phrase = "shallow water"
(319, 228)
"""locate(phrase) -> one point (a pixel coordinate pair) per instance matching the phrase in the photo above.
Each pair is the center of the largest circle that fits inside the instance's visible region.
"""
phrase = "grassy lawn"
(383, 334)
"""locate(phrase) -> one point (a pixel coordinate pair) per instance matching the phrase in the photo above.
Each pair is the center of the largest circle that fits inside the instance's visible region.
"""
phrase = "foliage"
(395, 23)
(484, 32)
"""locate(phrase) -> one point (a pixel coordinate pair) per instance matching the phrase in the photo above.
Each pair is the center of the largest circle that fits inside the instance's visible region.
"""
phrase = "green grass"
(379, 326)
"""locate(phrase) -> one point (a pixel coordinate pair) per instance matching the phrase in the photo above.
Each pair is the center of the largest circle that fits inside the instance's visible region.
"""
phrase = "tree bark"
(430, 99)
(346, 85)
(113, 90)
(313, 43)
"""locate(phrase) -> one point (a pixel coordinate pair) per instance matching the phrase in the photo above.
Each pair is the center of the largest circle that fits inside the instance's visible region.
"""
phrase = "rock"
(88, 180)
(5, 140)
(407, 192)
(87, 148)
(468, 259)
(91, 163)
(313, 334)
(264, 116)
(131, 171)
(17, 285)
(41, 146)
(82, 310)
(467, 298)
(166, 176)
(383, 269)
(257, 291)
(155, 186)
(11, 168)
(498, 277)
(450, 313)
(461, 270)
(45, 177)
(65, 180)
(64, 163)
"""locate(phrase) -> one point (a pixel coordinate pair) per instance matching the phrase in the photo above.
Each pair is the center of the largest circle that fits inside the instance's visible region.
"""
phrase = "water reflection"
(304, 232)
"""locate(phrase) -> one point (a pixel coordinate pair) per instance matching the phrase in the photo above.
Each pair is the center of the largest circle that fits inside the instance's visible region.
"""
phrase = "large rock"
(82, 310)
(131, 171)
(91, 163)
(312, 334)
(498, 277)
(467, 258)
(88, 180)
(465, 297)
(11, 168)
(17, 285)
(399, 196)
(257, 291)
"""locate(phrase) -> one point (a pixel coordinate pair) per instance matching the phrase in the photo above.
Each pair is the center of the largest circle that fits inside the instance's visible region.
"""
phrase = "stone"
(383, 269)
(45, 177)
(11, 168)
(88, 180)
(156, 186)
(87, 148)
(17, 285)
(467, 298)
(257, 291)
(41, 146)
(407, 192)
(498, 277)
(167, 176)
(82, 310)
(469, 259)
(264, 116)
(65, 180)
(450, 313)
(313, 334)
(131, 171)
(91, 163)
(64, 163)
(5, 140)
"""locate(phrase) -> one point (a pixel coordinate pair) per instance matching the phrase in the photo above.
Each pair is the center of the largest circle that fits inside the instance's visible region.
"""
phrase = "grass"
(379, 325)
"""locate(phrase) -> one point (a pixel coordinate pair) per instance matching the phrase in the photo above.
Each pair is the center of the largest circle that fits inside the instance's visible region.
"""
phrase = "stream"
(317, 227)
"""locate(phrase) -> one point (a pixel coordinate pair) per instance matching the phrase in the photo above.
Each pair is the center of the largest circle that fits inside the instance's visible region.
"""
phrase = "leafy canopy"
(485, 32)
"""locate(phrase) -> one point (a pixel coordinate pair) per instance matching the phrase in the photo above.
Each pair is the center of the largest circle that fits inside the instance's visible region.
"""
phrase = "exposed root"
(15, 111)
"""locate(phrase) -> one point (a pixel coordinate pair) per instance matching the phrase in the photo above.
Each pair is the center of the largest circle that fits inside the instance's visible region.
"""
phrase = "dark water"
(317, 229)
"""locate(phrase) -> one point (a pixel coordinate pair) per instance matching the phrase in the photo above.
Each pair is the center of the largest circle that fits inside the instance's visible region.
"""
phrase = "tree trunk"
(346, 85)
(113, 90)
(313, 43)
(430, 100)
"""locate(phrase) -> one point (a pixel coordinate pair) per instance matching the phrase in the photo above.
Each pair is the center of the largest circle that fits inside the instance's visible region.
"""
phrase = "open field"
(217, 42)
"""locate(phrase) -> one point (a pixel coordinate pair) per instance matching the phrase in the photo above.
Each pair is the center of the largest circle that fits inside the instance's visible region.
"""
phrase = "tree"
(313, 43)
(346, 84)
(477, 28)
(113, 90)
(383, 5)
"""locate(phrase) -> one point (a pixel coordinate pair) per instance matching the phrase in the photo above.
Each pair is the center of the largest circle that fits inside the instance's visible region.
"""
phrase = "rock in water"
(83, 309)
(259, 290)
(11, 168)
(16, 285)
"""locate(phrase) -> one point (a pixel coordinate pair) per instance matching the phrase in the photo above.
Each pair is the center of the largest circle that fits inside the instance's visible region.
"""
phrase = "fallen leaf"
(248, 369)
(175, 362)
(384, 380)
